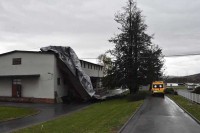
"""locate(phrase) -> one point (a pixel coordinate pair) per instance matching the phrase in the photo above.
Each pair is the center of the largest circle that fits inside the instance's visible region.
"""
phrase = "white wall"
(172, 84)
(62, 89)
(5, 87)
(91, 71)
(32, 63)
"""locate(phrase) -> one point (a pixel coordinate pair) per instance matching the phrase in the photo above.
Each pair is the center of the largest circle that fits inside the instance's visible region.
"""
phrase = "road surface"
(161, 115)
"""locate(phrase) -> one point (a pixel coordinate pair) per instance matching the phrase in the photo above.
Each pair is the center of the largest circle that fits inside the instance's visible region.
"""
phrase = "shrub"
(141, 95)
(197, 90)
(169, 91)
(175, 93)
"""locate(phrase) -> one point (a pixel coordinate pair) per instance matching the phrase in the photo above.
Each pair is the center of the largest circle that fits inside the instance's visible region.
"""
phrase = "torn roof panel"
(72, 62)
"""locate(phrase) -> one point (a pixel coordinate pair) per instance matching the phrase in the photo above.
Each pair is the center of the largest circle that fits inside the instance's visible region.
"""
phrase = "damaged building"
(52, 75)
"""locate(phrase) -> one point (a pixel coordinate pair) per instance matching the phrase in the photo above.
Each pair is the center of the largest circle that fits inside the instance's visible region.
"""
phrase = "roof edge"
(24, 51)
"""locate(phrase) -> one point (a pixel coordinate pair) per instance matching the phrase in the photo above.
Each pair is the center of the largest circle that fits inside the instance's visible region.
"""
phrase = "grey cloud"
(83, 25)
(87, 25)
(175, 24)
(37, 17)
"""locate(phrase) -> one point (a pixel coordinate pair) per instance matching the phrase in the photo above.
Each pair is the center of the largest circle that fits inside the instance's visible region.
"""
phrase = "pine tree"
(151, 65)
(135, 62)
(129, 45)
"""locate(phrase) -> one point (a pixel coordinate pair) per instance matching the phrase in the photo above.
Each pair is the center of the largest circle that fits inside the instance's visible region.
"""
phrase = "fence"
(191, 96)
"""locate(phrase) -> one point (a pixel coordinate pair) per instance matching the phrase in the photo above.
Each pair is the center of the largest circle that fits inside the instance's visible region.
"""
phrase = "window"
(64, 81)
(16, 61)
(88, 65)
(17, 81)
(84, 64)
(91, 66)
(58, 81)
(81, 63)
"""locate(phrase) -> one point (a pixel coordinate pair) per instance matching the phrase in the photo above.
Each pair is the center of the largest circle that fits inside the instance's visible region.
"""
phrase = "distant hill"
(183, 79)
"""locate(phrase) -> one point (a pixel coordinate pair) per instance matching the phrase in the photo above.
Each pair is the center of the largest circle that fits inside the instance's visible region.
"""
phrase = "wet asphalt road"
(161, 115)
(47, 112)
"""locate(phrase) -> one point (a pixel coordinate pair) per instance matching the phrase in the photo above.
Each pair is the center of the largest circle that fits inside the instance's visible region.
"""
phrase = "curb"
(194, 118)
(132, 116)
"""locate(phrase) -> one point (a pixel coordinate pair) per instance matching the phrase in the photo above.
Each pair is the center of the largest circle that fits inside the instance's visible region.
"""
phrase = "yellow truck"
(158, 87)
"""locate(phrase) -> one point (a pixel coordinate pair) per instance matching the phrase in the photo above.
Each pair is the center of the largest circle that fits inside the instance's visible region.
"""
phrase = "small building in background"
(95, 71)
(172, 84)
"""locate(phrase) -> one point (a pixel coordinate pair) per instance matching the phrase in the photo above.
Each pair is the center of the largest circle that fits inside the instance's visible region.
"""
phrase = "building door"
(16, 88)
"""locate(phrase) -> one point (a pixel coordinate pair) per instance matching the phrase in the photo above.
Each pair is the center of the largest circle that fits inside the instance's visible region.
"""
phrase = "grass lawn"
(104, 117)
(179, 87)
(9, 113)
(191, 107)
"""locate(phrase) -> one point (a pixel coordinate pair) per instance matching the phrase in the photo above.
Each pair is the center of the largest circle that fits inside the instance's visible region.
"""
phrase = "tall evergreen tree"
(151, 65)
(129, 44)
(135, 62)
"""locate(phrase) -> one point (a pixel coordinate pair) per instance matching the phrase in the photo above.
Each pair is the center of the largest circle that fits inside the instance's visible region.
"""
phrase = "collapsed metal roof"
(70, 64)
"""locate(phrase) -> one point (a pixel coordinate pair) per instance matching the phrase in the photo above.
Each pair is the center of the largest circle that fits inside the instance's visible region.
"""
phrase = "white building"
(94, 71)
(28, 76)
(172, 84)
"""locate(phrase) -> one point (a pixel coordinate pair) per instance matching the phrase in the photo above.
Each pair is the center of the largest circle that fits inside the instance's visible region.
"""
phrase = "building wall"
(172, 84)
(91, 69)
(62, 88)
(32, 63)
(5, 87)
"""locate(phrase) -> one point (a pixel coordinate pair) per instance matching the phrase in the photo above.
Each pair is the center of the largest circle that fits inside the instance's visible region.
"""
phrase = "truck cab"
(158, 87)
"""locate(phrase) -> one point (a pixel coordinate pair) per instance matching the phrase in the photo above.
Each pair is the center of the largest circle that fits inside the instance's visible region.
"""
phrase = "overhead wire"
(179, 55)
(175, 55)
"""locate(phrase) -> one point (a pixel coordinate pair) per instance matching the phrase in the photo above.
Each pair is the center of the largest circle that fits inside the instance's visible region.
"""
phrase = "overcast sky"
(86, 26)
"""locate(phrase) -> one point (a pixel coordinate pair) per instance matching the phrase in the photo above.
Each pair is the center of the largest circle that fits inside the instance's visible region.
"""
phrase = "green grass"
(179, 87)
(103, 117)
(191, 107)
(9, 113)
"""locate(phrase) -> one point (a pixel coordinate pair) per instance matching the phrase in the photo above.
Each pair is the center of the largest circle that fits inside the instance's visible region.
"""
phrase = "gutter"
(194, 118)
(133, 116)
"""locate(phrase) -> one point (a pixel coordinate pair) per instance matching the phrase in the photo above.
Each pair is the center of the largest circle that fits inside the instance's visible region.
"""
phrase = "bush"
(141, 95)
(197, 90)
(169, 91)
(175, 93)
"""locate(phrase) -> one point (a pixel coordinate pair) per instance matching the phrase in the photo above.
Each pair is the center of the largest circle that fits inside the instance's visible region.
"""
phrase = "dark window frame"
(81, 63)
(16, 61)
(64, 81)
(58, 81)
(17, 81)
